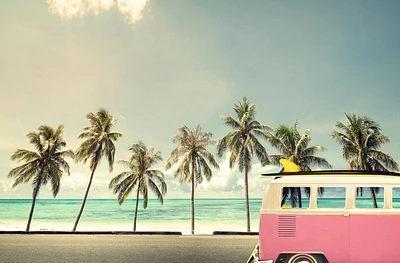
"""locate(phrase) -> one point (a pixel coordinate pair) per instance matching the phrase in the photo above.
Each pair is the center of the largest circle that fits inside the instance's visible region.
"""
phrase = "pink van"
(330, 217)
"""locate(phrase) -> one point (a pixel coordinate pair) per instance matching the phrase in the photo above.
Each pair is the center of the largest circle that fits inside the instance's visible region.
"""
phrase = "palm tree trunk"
(299, 194)
(246, 190)
(84, 200)
(136, 209)
(192, 200)
(34, 196)
(284, 195)
(373, 197)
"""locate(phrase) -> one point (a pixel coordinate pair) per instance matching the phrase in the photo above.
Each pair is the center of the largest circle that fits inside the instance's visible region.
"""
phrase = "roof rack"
(338, 173)
(292, 169)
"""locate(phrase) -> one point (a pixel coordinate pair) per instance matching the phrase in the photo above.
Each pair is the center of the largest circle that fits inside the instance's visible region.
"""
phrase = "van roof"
(360, 180)
(336, 173)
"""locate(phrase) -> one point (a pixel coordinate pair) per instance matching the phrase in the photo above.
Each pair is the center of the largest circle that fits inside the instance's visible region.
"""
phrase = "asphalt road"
(126, 248)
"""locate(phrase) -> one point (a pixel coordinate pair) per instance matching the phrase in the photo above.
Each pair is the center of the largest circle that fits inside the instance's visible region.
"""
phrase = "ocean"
(174, 215)
(107, 215)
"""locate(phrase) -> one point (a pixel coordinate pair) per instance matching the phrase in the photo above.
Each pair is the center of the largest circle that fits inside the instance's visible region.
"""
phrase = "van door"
(374, 231)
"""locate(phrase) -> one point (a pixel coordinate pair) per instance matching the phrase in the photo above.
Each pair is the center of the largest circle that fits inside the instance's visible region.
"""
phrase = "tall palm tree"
(45, 164)
(193, 159)
(140, 176)
(360, 139)
(294, 147)
(243, 143)
(99, 142)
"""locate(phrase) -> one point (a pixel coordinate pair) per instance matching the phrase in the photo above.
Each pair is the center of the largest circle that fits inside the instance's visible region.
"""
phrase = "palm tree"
(294, 147)
(243, 143)
(98, 143)
(140, 176)
(45, 164)
(192, 155)
(360, 139)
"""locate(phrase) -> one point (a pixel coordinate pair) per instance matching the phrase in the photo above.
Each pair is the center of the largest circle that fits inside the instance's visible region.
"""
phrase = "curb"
(235, 233)
(91, 233)
(226, 233)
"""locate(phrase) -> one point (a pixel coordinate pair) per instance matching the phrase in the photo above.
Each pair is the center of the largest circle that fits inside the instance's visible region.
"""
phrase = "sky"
(157, 65)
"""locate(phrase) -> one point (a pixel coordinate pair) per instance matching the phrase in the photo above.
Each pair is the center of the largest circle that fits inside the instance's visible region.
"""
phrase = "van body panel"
(347, 234)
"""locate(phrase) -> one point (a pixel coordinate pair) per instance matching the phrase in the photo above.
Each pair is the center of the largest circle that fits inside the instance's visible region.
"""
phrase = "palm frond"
(259, 149)
(110, 153)
(34, 138)
(55, 178)
(118, 178)
(231, 122)
(235, 152)
(24, 173)
(114, 136)
(25, 155)
(156, 190)
(385, 159)
(125, 187)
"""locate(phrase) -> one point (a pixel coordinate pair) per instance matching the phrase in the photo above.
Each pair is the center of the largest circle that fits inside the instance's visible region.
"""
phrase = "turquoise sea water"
(106, 215)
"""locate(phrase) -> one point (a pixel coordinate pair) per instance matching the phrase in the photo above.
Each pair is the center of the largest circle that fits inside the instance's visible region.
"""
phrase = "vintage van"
(330, 216)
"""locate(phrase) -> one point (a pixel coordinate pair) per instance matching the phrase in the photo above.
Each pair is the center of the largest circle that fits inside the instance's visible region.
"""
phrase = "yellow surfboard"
(289, 166)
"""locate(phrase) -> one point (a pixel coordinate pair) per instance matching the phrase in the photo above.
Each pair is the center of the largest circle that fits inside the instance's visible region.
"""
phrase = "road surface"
(125, 248)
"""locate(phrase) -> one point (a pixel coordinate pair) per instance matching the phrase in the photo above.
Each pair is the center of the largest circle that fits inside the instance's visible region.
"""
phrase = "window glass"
(396, 197)
(331, 197)
(369, 197)
(295, 197)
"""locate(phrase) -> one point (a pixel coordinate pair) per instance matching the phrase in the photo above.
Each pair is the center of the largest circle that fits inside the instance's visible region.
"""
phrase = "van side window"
(331, 197)
(369, 197)
(396, 197)
(295, 197)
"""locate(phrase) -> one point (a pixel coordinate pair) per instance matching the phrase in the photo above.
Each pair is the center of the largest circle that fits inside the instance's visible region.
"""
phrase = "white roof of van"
(339, 179)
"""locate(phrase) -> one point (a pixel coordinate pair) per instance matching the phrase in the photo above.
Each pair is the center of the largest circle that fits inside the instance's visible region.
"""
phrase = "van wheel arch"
(302, 257)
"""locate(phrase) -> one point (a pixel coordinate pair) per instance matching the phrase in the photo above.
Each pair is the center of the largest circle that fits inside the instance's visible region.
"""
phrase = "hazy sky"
(157, 65)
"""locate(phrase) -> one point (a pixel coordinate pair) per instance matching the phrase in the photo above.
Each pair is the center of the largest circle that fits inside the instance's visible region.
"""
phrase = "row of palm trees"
(191, 159)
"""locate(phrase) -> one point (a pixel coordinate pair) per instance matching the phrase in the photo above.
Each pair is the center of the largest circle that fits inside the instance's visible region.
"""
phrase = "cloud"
(67, 8)
(6, 185)
(98, 6)
(229, 180)
(76, 184)
(226, 179)
(131, 9)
